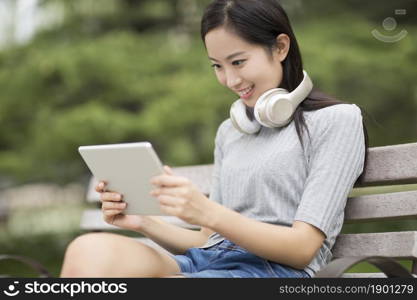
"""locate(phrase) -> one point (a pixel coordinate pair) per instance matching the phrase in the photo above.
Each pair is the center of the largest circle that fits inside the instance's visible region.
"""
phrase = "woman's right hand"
(113, 207)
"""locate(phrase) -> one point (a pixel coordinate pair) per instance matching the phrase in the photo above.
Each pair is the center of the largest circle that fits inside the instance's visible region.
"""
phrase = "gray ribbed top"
(268, 177)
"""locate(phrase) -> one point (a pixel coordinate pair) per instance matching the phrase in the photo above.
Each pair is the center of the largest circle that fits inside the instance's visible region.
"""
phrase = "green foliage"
(347, 62)
(118, 87)
(120, 73)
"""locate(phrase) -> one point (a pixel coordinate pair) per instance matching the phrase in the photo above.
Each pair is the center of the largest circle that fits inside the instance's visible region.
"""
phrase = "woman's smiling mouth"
(246, 93)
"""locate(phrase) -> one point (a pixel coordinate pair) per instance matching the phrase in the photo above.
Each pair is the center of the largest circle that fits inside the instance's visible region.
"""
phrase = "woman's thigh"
(114, 255)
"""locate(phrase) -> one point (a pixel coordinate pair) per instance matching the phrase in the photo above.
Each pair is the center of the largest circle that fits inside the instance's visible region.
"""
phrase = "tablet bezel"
(127, 168)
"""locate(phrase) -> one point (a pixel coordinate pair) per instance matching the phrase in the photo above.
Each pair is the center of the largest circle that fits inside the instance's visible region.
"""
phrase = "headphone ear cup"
(241, 121)
(282, 111)
(263, 105)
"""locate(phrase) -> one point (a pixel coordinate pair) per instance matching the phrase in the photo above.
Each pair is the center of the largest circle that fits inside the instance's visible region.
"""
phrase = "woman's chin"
(249, 103)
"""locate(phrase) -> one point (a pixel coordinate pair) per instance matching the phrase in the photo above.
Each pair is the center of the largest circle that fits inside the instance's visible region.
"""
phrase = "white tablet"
(127, 168)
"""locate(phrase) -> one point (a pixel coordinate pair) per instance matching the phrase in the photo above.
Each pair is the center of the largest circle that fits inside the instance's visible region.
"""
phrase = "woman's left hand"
(179, 197)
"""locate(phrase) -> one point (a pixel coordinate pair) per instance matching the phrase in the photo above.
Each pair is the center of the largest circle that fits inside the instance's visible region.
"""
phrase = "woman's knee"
(88, 244)
(87, 252)
(109, 254)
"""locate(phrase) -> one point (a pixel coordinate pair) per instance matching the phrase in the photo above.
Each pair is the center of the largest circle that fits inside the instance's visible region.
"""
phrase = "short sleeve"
(337, 152)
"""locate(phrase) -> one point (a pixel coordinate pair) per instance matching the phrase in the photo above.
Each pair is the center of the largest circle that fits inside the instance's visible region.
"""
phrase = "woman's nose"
(233, 80)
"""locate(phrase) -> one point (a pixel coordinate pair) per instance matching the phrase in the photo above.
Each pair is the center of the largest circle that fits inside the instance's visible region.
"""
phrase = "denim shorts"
(227, 260)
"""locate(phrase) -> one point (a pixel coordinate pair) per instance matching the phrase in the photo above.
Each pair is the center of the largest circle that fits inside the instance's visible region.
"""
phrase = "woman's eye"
(235, 63)
(238, 62)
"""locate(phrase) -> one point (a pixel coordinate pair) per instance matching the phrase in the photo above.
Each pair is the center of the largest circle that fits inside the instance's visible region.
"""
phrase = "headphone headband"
(302, 90)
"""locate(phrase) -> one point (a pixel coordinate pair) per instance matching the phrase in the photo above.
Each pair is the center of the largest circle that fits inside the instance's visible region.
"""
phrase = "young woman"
(282, 171)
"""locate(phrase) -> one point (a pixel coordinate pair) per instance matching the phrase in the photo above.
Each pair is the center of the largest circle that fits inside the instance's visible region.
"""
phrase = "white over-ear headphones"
(274, 108)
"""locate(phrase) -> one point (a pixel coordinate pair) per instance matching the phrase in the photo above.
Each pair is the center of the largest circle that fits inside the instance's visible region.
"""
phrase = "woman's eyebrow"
(230, 56)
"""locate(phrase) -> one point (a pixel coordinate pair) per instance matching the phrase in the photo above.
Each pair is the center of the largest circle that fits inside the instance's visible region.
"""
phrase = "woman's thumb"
(168, 170)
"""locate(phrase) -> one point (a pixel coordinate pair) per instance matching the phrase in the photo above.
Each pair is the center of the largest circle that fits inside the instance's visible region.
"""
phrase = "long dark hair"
(259, 22)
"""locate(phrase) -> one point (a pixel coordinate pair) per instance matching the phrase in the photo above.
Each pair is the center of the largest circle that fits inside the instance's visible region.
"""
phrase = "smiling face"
(247, 69)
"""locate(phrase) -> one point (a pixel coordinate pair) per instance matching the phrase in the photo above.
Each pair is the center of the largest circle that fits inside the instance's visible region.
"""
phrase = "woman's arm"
(173, 238)
(294, 246)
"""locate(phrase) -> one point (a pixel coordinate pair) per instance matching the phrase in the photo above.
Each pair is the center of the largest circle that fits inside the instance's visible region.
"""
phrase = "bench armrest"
(389, 266)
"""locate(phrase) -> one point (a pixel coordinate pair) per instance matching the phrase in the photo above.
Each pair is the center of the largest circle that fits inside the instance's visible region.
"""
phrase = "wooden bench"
(387, 166)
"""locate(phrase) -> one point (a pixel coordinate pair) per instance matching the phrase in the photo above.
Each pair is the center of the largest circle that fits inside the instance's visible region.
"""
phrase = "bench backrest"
(388, 165)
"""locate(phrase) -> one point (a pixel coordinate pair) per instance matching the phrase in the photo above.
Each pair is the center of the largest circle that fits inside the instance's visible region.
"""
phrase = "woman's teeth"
(245, 91)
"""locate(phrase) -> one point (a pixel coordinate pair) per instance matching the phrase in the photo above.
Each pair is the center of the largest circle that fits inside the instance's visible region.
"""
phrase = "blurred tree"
(122, 71)
(123, 87)
(374, 11)
(94, 17)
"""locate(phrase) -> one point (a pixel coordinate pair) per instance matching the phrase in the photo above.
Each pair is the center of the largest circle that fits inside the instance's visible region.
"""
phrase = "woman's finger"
(168, 170)
(100, 187)
(169, 180)
(170, 200)
(113, 205)
(169, 210)
(111, 197)
(170, 191)
(111, 212)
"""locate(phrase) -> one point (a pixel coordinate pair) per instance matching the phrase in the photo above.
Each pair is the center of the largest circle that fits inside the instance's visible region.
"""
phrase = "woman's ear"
(283, 46)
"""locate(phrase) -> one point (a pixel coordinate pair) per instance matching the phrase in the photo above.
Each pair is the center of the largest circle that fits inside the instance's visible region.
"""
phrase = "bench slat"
(92, 219)
(392, 206)
(396, 164)
(394, 244)
(364, 275)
